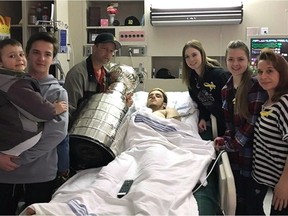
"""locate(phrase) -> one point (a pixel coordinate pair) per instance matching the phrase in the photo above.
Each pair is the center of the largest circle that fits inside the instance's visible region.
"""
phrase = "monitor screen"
(278, 43)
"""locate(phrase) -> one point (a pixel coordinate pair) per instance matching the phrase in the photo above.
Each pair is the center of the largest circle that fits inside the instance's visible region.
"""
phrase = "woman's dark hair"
(280, 64)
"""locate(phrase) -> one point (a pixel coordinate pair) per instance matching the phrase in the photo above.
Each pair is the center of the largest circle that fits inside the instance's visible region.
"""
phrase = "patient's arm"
(129, 99)
(172, 113)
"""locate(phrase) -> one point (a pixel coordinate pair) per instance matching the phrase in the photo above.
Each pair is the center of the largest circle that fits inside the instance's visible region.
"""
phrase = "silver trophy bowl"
(97, 124)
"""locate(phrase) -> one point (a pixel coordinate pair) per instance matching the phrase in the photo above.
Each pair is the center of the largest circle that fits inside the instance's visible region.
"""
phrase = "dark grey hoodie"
(39, 164)
(22, 109)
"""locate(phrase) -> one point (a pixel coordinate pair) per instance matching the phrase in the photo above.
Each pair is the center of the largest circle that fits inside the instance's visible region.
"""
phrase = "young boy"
(31, 176)
(23, 108)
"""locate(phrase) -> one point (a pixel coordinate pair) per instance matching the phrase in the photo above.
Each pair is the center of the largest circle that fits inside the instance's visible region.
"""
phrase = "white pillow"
(140, 99)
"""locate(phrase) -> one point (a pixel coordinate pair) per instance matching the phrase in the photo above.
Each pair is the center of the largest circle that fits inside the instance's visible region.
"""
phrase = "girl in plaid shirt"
(242, 99)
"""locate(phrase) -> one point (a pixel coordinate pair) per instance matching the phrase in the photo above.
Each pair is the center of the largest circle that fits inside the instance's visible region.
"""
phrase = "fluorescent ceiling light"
(164, 4)
(196, 16)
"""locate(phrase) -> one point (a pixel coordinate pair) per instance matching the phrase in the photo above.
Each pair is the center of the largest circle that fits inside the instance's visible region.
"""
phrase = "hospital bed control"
(125, 188)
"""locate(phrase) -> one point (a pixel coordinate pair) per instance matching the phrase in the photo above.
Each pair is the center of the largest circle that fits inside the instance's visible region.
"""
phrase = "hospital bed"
(188, 111)
(226, 182)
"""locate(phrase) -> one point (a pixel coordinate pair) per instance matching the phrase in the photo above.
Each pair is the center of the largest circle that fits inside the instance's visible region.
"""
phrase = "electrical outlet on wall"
(132, 50)
(264, 30)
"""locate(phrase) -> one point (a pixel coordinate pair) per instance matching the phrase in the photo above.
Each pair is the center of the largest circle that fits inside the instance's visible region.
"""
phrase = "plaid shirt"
(238, 138)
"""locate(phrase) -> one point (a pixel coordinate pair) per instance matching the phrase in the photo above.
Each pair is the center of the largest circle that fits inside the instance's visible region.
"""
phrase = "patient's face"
(155, 100)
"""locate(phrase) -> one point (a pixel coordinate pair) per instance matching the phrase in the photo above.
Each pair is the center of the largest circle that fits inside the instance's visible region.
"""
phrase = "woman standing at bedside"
(270, 150)
(242, 102)
(204, 78)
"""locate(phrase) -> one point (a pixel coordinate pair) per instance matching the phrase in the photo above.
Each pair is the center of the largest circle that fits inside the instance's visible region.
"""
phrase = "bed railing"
(226, 179)
(226, 186)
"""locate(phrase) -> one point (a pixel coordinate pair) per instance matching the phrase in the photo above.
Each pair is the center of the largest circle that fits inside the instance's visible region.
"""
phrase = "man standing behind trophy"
(90, 76)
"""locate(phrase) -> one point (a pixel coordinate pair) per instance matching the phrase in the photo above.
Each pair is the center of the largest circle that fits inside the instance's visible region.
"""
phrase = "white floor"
(267, 202)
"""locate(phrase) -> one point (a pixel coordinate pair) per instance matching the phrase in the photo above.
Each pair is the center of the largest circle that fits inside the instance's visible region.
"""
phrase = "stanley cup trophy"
(95, 128)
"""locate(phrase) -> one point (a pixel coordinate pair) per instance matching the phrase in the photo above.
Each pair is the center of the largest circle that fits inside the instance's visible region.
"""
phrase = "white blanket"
(165, 160)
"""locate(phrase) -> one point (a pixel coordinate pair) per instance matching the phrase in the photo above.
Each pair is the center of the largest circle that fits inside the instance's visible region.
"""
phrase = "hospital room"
(150, 107)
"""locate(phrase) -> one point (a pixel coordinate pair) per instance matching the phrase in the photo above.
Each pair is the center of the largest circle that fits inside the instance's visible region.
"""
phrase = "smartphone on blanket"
(125, 188)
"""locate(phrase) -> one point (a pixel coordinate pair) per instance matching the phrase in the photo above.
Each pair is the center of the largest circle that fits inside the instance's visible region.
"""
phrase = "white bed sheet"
(165, 170)
(165, 164)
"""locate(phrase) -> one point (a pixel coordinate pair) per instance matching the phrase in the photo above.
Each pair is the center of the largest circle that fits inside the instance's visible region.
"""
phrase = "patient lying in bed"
(163, 157)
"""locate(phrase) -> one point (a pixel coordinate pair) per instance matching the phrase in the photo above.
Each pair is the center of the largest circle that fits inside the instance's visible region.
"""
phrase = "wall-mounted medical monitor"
(278, 43)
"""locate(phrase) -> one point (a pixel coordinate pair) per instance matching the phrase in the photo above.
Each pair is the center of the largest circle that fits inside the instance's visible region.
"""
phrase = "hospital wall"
(166, 42)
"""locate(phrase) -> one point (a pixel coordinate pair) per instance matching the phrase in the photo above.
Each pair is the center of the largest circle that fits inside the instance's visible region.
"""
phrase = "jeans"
(63, 155)
(244, 193)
